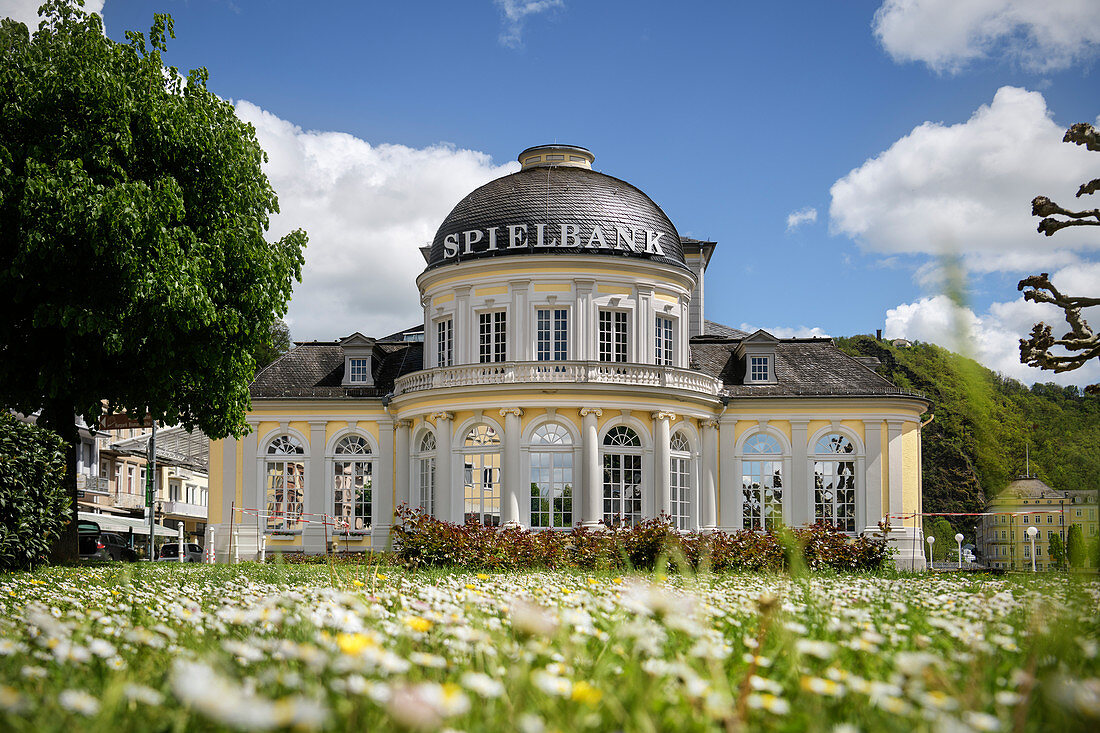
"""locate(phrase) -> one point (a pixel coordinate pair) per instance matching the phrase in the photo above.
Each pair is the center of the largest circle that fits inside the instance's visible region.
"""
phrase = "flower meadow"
(339, 647)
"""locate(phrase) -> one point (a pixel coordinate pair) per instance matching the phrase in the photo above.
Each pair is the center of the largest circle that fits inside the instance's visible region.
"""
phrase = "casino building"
(565, 373)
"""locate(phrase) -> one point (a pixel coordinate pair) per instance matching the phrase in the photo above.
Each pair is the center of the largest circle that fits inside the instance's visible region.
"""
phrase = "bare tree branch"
(1081, 344)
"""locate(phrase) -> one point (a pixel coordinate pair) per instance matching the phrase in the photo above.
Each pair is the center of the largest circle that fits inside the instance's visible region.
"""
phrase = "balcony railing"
(183, 509)
(122, 500)
(558, 372)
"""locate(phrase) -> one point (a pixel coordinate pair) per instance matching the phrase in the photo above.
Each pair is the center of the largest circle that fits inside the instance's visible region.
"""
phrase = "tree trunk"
(60, 417)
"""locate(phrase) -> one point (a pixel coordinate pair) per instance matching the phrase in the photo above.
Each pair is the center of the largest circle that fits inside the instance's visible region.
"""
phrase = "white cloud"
(784, 332)
(948, 34)
(796, 219)
(993, 338)
(367, 209)
(965, 190)
(516, 13)
(26, 11)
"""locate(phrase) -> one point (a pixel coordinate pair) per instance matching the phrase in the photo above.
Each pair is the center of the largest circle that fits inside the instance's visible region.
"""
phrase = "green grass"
(172, 648)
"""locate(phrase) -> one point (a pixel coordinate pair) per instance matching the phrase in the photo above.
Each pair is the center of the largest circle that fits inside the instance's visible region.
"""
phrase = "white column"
(729, 507)
(708, 499)
(662, 462)
(592, 507)
(401, 463)
(444, 505)
(382, 489)
(873, 440)
(800, 490)
(644, 325)
(894, 472)
(510, 479)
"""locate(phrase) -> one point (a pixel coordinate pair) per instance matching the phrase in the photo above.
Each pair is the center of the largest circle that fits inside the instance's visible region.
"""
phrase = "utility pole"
(151, 488)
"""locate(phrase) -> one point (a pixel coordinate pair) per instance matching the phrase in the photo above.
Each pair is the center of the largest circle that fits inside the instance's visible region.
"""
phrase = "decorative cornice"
(663, 415)
(505, 411)
(586, 411)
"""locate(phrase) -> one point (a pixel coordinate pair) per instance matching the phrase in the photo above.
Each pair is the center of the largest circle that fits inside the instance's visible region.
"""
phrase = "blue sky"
(909, 133)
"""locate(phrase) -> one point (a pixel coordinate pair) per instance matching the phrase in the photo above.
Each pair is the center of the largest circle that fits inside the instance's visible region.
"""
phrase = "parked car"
(170, 551)
(118, 547)
(89, 541)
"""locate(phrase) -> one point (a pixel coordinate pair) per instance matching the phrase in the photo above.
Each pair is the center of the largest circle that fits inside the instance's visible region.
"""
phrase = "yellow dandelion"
(353, 644)
(418, 624)
(586, 693)
(357, 583)
(381, 576)
(482, 576)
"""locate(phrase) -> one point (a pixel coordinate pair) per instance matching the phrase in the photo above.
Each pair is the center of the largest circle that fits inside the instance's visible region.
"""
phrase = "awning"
(122, 525)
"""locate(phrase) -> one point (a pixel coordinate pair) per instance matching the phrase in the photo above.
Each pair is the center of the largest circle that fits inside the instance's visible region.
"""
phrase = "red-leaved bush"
(422, 540)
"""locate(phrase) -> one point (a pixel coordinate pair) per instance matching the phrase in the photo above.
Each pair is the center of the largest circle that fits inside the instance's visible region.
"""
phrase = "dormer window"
(759, 368)
(358, 371)
(358, 355)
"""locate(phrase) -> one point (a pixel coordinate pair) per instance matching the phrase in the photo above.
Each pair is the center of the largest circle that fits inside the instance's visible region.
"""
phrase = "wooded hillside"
(976, 444)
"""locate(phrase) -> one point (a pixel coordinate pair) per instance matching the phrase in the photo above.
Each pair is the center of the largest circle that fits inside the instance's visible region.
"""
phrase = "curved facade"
(565, 383)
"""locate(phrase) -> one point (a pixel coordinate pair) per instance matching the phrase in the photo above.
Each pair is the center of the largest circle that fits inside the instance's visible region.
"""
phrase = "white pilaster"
(315, 501)
(894, 472)
(801, 486)
(585, 323)
(729, 506)
(445, 502)
(510, 478)
(708, 499)
(644, 325)
(519, 324)
(662, 462)
(465, 329)
(872, 430)
(401, 463)
(382, 490)
(592, 490)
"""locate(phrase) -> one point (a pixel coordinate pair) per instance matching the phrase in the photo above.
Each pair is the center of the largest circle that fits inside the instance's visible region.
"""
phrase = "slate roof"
(803, 368)
(712, 328)
(316, 368)
(555, 196)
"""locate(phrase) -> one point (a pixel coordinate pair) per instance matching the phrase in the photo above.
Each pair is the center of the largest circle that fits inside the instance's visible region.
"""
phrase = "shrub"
(423, 540)
(34, 500)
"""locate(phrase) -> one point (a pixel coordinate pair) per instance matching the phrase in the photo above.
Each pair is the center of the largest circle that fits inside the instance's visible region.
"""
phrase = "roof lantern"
(546, 156)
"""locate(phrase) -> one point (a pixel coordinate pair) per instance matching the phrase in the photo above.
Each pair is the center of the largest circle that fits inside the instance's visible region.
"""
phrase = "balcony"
(122, 500)
(558, 372)
(97, 484)
(183, 509)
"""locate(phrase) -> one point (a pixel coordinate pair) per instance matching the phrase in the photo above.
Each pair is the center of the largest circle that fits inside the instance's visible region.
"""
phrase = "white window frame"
(477, 477)
(358, 370)
(768, 462)
(268, 491)
(359, 460)
(618, 335)
(444, 342)
(680, 481)
(551, 481)
(496, 346)
(664, 341)
(426, 462)
(553, 344)
(856, 458)
(612, 507)
(764, 373)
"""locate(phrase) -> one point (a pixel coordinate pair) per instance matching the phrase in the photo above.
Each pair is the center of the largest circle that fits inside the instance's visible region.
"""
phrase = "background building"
(1002, 539)
(565, 373)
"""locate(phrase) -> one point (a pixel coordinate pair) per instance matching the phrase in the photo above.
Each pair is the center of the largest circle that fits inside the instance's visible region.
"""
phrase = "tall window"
(445, 349)
(551, 477)
(835, 482)
(552, 334)
(680, 481)
(493, 330)
(622, 477)
(613, 340)
(426, 473)
(762, 483)
(664, 341)
(352, 471)
(358, 370)
(285, 484)
(482, 462)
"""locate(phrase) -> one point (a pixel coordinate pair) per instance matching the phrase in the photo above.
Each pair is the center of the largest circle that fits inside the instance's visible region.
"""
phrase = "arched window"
(481, 457)
(352, 478)
(551, 477)
(285, 484)
(680, 481)
(835, 482)
(426, 472)
(622, 477)
(762, 483)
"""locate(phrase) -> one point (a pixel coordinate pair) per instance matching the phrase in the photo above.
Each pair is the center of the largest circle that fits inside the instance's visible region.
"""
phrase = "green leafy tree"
(944, 549)
(277, 344)
(133, 213)
(1075, 546)
(1057, 551)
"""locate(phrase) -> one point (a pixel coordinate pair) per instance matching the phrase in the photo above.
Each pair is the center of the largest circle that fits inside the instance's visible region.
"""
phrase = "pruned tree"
(1081, 344)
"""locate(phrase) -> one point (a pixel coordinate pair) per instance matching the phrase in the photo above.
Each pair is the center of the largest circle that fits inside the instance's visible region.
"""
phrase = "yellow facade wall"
(493, 290)
(552, 288)
(910, 467)
(215, 478)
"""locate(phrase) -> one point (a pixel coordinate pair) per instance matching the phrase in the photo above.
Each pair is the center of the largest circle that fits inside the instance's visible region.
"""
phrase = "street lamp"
(959, 542)
(1031, 532)
(931, 541)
